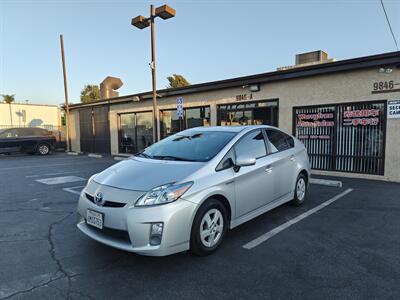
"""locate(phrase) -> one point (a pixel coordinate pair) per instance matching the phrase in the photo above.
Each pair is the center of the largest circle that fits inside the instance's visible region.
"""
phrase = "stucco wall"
(36, 115)
(322, 89)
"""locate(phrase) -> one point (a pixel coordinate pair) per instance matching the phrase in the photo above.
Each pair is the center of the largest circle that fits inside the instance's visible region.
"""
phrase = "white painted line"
(95, 155)
(72, 189)
(326, 182)
(60, 180)
(266, 236)
(49, 174)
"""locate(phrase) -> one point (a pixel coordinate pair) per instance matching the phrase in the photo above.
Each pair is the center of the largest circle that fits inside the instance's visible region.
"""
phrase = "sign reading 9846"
(383, 86)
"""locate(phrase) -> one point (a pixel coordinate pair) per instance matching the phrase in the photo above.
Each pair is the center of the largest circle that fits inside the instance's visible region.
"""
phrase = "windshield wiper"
(143, 155)
(171, 157)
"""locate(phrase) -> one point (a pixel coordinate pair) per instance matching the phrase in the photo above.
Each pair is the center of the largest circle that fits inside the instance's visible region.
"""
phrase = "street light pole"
(164, 12)
(156, 115)
(66, 94)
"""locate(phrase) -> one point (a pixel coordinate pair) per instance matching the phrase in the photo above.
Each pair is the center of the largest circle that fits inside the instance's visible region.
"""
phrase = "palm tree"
(9, 99)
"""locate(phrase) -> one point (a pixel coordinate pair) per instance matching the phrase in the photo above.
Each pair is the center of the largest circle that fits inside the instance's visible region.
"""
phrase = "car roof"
(235, 129)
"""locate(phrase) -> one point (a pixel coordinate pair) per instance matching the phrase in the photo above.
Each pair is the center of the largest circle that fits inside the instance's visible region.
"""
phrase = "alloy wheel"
(211, 227)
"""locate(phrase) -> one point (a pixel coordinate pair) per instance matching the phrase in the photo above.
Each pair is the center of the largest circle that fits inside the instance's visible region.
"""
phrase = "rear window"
(279, 141)
(195, 146)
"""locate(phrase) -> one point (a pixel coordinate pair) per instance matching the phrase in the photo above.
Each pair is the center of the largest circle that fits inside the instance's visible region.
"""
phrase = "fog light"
(156, 233)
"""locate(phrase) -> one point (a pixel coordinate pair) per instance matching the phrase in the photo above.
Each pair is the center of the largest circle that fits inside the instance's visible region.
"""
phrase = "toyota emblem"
(98, 199)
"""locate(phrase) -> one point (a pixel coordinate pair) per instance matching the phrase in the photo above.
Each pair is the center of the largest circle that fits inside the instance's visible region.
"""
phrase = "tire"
(300, 190)
(43, 149)
(202, 244)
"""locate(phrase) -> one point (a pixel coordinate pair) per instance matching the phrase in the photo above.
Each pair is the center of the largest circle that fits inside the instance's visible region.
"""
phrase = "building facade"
(345, 112)
(29, 115)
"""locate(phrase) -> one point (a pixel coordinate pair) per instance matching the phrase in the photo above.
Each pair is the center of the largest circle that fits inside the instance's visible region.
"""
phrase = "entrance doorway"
(135, 131)
(94, 129)
(248, 113)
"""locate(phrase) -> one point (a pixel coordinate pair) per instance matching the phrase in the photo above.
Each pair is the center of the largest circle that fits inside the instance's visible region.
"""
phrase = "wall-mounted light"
(385, 70)
(254, 87)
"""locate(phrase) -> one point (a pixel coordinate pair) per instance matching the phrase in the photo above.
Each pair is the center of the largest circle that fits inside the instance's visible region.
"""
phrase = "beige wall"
(36, 115)
(74, 131)
(322, 89)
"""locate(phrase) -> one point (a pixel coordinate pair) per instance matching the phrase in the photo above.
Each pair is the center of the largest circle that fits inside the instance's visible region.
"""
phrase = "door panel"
(282, 170)
(253, 186)
(95, 130)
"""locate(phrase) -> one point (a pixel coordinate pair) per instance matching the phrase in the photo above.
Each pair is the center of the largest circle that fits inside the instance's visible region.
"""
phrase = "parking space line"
(60, 180)
(72, 189)
(49, 174)
(266, 236)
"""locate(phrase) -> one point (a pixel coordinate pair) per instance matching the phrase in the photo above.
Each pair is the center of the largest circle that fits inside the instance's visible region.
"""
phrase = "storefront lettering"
(361, 117)
(320, 119)
(244, 97)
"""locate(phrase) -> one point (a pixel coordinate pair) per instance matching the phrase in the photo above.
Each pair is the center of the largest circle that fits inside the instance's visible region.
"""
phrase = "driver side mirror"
(244, 161)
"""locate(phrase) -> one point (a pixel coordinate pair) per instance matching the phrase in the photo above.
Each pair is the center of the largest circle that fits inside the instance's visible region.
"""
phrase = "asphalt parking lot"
(349, 249)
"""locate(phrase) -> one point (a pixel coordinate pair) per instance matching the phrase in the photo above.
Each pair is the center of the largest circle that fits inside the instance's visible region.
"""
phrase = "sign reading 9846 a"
(393, 109)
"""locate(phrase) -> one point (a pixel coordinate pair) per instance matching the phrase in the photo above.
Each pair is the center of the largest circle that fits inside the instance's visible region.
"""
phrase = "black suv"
(29, 140)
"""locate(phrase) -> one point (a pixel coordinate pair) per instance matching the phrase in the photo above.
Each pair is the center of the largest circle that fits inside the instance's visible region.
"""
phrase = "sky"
(206, 41)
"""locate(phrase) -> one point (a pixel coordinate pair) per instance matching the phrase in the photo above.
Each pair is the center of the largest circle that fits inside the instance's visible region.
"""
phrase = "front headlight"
(163, 194)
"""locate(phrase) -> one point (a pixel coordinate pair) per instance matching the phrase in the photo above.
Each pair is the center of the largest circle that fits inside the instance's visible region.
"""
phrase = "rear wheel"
(43, 149)
(300, 190)
(209, 228)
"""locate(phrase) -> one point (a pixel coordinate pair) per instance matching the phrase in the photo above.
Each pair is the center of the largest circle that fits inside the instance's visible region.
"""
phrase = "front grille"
(107, 203)
(120, 235)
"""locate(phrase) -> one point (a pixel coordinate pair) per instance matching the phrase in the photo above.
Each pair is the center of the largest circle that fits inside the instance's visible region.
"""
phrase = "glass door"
(135, 132)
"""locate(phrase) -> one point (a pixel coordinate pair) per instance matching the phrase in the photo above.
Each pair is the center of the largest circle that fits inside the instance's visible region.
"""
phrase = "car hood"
(144, 174)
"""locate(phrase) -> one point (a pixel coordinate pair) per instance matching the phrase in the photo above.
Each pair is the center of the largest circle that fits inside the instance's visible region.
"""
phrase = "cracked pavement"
(348, 250)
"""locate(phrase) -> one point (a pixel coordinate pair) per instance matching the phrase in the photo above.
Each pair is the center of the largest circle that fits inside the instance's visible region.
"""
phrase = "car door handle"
(268, 169)
(292, 158)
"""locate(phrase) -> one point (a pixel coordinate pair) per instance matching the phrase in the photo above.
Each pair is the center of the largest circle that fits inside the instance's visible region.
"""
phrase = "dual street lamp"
(164, 12)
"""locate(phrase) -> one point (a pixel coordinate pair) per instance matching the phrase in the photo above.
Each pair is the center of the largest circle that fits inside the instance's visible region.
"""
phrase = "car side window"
(252, 144)
(227, 162)
(11, 133)
(279, 141)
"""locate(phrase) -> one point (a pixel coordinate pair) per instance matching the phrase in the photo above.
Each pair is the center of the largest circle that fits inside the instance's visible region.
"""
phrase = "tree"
(90, 93)
(177, 80)
(9, 99)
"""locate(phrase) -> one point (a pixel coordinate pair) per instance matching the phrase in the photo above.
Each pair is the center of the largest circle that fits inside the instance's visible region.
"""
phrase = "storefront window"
(136, 132)
(254, 113)
(193, 117)
(344, 137)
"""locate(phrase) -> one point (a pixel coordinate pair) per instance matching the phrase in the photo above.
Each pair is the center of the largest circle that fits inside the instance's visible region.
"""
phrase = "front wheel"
(43, 149)
(300, 190)
(209, 228)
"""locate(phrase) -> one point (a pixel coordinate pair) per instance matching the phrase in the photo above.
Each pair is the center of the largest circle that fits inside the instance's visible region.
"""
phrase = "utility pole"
(66, 94)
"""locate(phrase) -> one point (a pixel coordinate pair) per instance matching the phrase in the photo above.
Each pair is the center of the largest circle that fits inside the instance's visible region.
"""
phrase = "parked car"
(186, 191)
(29, 140)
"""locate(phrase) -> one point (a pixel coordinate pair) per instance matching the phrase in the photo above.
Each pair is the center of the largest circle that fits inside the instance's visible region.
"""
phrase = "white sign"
(179, 107)
(393, 109)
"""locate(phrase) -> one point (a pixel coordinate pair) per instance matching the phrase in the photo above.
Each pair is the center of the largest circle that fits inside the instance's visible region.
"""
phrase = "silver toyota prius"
(186, 191)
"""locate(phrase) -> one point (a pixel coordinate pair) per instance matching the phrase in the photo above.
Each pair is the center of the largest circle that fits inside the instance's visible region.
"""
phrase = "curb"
(326, 182)
(72, 153)
(120, 158)
(95, 155)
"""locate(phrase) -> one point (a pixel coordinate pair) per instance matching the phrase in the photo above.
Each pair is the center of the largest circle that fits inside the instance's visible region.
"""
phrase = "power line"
(390, 26)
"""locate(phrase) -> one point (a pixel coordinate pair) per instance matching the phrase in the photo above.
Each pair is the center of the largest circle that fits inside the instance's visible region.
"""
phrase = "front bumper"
(128, 228)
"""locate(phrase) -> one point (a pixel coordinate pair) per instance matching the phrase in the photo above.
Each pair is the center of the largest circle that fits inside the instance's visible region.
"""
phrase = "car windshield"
(195, 146)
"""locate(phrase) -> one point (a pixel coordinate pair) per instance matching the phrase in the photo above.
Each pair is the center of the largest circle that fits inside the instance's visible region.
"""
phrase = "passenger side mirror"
(244, 161)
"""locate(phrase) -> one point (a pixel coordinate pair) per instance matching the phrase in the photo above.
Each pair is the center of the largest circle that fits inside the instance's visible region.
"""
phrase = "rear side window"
(279, 141)
(252, 144)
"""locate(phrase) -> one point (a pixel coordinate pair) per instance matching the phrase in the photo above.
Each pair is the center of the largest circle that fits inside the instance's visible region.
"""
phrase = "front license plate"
(94, 218)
